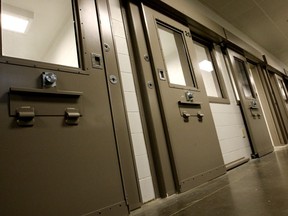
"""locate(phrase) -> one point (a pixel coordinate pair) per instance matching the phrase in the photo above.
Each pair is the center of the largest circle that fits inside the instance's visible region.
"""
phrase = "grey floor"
(257, 188)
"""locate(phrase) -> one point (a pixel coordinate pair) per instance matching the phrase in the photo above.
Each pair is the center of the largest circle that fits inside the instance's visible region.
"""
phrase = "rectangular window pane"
(39, 30)
(243, 79)
(175, 56)
(282, 88)
(207, 70)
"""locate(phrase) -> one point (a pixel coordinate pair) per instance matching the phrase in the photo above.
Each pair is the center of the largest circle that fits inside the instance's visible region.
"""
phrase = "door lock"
(49, 79)
(189, 96)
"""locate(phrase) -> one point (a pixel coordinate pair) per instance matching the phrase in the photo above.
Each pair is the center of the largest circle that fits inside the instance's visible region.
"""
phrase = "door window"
(282, 88)
(175, 56)
(39, 30)
(244, 79)
(208, 71)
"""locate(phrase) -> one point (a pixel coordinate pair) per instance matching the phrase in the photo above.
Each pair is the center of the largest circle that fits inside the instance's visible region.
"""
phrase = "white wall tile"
(124, 63)
(118, 28)
(128, 82)
(115, 9)
(143, 166)
(131, 102)
(135, 122)
(121, 45)
(139, 144)
(146, 186)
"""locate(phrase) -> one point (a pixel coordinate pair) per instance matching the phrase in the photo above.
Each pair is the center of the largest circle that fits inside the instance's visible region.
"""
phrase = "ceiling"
(264, 21)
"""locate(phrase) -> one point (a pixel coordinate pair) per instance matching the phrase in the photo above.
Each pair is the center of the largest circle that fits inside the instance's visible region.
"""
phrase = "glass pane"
(243, 79)
(282, 88)
(39, 30)
(175, 56)
(207, 70)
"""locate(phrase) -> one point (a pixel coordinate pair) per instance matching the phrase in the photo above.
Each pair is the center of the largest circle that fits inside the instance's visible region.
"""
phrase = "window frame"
(188, 76)
(218, 73)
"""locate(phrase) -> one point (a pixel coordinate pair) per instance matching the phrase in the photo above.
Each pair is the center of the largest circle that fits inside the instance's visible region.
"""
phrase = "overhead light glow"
(206, 66)
(13, 23)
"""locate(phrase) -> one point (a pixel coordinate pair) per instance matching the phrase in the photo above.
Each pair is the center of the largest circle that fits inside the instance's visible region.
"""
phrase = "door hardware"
(25, 116)
(150, 84)
(189, 96)
(106, 47)
(253, 104)
(49, 79)
(200, 116)
(72, 116)
(161, 74)
(187, 115)
(146, 57)
(113, 79)
(96, 61)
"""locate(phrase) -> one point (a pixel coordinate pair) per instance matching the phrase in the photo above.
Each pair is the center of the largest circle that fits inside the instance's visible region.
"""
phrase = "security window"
(175, 57)
(282, 88)
(210, 74)
(39, 30)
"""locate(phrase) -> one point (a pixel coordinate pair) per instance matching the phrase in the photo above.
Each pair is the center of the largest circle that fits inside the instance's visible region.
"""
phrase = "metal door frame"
(122, 134)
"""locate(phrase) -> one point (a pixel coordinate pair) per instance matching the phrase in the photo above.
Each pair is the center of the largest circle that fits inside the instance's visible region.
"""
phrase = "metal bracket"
(72, 116)
(25, 116)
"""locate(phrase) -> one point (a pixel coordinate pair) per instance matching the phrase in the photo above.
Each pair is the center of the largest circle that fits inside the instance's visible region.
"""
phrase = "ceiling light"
(13, 23)
(15, 19)
(206, 66)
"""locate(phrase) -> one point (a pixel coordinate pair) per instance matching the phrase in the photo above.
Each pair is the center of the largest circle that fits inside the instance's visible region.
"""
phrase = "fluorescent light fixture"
(206, 66)
(15, 19)
(13, 23)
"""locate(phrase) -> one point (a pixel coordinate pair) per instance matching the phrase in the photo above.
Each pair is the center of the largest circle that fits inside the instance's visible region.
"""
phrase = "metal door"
(192, 140)
(250, 105)
(279, 101)
(58, 149)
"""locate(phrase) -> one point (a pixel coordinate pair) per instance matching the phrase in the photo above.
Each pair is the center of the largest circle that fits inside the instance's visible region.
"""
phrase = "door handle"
(186, 116)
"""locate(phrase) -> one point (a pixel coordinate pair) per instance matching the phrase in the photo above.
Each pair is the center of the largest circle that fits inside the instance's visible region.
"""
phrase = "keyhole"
(162, 75)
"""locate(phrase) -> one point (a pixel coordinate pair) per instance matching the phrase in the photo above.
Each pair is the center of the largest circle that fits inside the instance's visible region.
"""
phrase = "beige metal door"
(279, 98)
(250, 105)
(191, 136)
(259, 89)
(59, 153)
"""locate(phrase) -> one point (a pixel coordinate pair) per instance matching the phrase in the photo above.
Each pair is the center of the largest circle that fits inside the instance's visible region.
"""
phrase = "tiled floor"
(257, 188)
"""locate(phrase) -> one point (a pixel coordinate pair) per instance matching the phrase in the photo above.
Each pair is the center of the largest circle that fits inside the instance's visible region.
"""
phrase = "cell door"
(192, 140)
(251, 107)
(58, 148)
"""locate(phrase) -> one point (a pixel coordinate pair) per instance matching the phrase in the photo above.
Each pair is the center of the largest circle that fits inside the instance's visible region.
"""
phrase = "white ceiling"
(264, 21)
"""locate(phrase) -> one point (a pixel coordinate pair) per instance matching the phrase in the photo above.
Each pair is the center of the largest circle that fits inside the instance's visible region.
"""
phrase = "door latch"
(25, 116)
(72, 116)
(186, 116)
